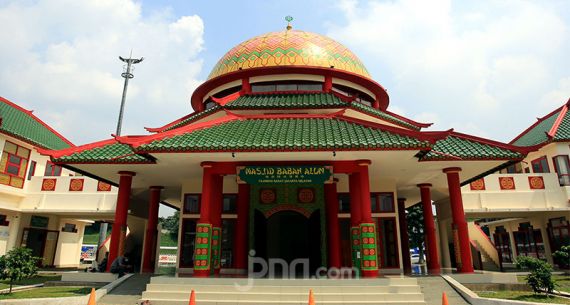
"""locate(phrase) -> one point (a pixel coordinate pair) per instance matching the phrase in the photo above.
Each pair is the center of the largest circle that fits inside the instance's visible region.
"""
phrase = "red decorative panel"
(103, 187)
(306, 195)
(48, 184)
(267, 196)
(507, 183)
(536, 182)
(76, 185)
(477, 185)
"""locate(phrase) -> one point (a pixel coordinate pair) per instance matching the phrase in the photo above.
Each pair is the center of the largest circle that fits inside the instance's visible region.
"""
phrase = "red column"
(355, 201)
(327, 85)
(429, 229)
(364, 186)
(119, 231)
(205, 206)
(151, 231)
(245, 85)
(459, 222)
(241, 237)
(216, 218)
(404, 238)
(366, 209)
(333, 231)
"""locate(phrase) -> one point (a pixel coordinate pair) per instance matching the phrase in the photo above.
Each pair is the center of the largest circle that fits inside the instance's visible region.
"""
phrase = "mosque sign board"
(287, 174)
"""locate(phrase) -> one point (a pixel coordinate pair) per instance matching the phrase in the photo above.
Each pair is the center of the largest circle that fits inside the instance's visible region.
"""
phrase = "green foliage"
(18, 264)
(540, 276)
(170, 223)
(415, 220)
(562, 256)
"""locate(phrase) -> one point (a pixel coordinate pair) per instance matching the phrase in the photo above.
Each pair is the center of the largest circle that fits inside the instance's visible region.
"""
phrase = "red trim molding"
(200, 92)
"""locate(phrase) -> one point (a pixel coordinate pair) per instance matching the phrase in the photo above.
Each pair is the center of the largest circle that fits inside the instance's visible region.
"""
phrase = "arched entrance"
(289, 235)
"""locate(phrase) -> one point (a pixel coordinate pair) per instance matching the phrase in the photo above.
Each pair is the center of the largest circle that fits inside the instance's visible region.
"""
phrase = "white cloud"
(490, 65)
(61, 60)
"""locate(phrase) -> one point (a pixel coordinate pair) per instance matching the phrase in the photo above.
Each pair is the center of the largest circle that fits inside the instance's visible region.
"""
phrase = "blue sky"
(483, 67)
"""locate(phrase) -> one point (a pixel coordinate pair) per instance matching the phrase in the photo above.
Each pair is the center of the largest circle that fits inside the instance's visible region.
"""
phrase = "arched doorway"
(289, 235)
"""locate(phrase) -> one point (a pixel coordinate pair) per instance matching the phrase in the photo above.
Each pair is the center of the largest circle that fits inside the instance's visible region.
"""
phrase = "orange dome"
(289, 48)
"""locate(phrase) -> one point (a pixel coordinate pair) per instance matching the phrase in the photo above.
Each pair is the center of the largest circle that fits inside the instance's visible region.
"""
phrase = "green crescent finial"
(289, 19)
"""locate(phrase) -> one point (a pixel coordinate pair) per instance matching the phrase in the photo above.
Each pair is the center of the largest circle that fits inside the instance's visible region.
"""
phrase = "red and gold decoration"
(267, 195)
(103, 187)
(355, 240)
(477, 185)
(216, 248)
(48, 184)
(536, 183)
(203, 247)
(507, 183)
(369, 254)
(306, 195)
(76, 185)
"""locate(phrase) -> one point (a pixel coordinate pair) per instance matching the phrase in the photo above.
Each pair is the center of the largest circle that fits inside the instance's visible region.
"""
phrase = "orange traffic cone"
(192, 298)
(444, 299)
(92, 299)
(311, 297)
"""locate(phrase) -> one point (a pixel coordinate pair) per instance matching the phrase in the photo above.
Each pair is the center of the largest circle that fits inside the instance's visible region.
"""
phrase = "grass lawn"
(563, 282)
(167, 270)
(522, 296)
(38, 279)
(48, 292)
(168, 251)
(167, 240)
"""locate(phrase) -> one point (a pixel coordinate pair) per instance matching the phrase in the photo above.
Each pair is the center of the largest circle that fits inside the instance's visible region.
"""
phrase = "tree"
(18, 264)
(415, 219)
(540, 276)
(170, 223)
(562, 257)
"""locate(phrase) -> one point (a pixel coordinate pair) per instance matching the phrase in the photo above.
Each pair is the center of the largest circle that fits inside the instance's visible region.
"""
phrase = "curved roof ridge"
(20, 132)
(539, 131)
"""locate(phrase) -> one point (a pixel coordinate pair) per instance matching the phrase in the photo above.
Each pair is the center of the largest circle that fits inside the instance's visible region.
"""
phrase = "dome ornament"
(289, 19)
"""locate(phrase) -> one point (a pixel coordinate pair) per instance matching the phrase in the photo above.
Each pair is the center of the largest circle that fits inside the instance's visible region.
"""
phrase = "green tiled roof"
(382, 115)
(25, 126)
(194, 117)
(563, 131)
(466, 149)
(110, 153)
(286, 101)
(279, 134)
(537, 134)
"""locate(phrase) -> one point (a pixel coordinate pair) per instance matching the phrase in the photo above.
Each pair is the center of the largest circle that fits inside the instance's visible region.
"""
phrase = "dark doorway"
(42, 242)
(289, 235)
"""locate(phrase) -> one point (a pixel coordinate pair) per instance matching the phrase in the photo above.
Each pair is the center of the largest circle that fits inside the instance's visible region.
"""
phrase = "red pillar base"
(201, 273)
(369, 273)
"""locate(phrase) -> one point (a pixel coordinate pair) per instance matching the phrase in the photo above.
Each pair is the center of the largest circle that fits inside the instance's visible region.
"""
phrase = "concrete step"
(400, 281)
(229, 291)
(286, 297)
(278, 302)
(284, 289)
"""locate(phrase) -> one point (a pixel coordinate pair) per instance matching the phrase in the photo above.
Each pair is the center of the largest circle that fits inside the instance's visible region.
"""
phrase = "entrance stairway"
(226, 291)
(489, 254)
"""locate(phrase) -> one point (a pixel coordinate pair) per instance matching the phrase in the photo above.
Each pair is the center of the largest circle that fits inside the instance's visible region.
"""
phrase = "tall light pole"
(126, 75)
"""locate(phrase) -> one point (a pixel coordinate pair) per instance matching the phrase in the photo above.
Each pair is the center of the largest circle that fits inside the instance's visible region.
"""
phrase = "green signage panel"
(288, 174)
